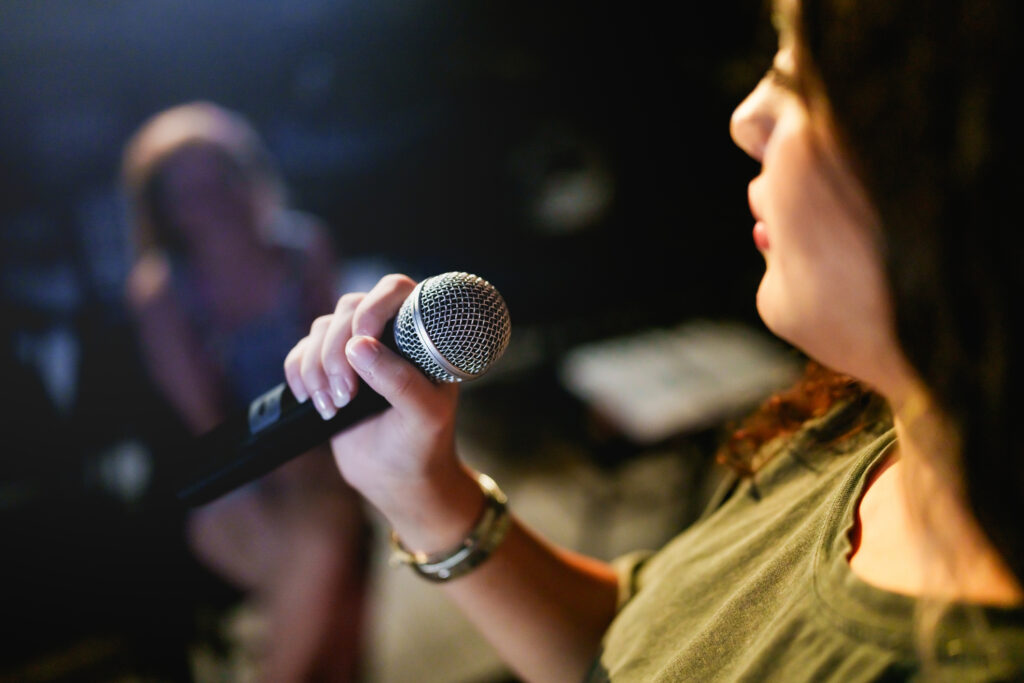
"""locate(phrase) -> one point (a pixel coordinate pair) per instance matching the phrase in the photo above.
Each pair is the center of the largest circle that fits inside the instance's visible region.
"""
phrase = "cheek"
(823, 287)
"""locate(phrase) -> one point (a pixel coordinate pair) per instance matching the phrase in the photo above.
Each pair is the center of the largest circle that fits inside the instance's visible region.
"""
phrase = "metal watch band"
(482, 540)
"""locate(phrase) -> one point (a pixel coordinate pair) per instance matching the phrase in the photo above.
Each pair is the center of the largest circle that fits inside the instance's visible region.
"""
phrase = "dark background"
(425, 134)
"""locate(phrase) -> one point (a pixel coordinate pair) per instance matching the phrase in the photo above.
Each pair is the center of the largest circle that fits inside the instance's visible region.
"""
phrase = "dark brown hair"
(921, 98)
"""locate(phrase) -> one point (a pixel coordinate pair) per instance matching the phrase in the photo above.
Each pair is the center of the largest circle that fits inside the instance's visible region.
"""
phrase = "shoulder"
(301, 233)
(149, 283)
(823, 448)
(310, 247)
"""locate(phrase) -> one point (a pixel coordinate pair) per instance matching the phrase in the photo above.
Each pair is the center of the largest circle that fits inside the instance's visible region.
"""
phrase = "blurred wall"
(579, 139)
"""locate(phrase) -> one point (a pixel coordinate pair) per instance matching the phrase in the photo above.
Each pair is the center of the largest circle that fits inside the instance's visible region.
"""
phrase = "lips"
(760, 232)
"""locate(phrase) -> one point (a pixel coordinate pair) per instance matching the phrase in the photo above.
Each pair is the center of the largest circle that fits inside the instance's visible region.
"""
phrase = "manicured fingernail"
(339, 392)
(361, 353)
(301, 396)
(323, 404)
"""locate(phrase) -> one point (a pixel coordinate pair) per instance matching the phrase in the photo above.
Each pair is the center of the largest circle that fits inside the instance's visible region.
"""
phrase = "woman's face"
(824, 287)
(207, 201)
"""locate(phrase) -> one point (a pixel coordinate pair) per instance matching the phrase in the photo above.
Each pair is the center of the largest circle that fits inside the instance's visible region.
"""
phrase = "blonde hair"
(195, 124)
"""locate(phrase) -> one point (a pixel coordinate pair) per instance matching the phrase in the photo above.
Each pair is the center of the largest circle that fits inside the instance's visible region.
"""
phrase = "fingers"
(318, 368)
(407, 389)
(381, 304)
(292, 363)
(341, 380)
(311, 369)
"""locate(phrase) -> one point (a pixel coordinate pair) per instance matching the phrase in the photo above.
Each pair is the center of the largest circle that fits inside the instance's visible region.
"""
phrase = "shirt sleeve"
(627, 567)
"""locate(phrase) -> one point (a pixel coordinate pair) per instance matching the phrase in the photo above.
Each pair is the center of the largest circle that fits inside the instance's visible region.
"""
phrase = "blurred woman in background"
(225, 277)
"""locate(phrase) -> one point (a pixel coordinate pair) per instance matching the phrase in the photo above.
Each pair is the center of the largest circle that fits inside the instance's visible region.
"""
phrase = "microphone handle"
(273, 430)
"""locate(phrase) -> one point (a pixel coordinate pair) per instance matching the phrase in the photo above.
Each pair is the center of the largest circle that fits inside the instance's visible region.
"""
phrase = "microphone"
(452, 327)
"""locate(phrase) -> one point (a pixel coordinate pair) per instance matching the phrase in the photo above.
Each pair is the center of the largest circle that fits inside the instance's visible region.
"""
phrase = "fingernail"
(301, 396)
(360, 353)
(323, 404)
(339, 392)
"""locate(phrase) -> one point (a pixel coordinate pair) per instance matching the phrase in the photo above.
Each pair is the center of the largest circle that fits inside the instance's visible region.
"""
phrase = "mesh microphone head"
(453, 326)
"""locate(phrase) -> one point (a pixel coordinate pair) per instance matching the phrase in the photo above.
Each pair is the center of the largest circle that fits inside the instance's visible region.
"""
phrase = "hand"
(404, 454)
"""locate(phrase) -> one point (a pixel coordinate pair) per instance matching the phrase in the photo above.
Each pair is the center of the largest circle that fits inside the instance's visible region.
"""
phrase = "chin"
(768, 308)
(786, 322)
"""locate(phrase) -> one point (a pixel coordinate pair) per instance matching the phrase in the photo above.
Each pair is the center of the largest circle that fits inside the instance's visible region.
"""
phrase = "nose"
(751, 123)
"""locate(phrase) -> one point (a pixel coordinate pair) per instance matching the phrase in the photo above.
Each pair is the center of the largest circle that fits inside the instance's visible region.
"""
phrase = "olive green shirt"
(760, 588)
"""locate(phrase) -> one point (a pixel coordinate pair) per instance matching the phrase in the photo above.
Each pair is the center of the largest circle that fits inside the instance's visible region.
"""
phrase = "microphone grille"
(453, 326)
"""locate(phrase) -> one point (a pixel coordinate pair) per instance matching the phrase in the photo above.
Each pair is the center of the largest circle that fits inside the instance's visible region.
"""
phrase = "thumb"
(405, 388)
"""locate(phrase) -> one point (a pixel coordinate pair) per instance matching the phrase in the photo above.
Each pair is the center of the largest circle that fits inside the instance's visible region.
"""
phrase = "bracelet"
(483, 539)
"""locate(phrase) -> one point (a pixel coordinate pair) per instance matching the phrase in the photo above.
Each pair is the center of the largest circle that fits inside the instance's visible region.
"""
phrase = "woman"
(876, 532)
(225, 277)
